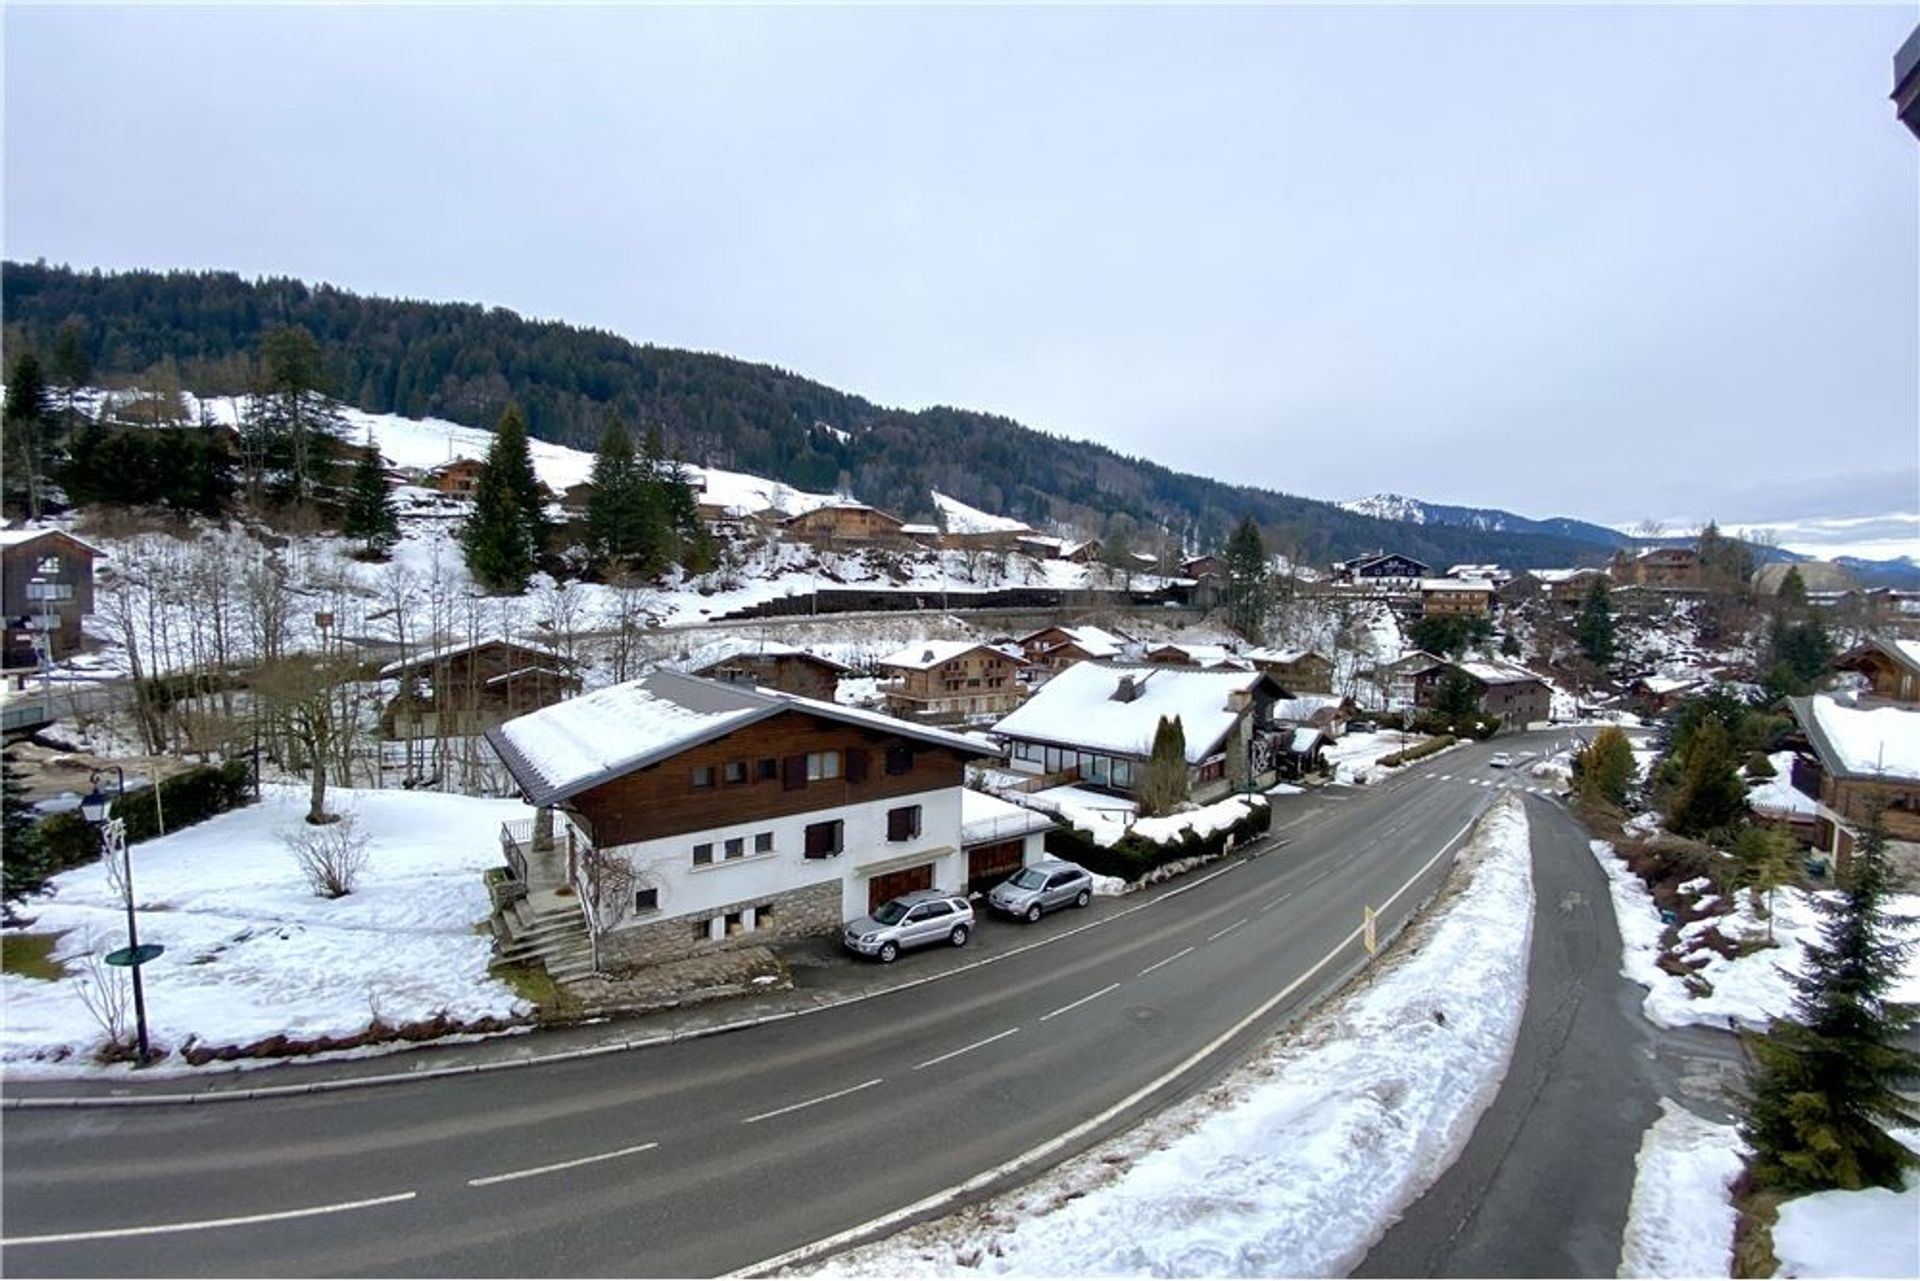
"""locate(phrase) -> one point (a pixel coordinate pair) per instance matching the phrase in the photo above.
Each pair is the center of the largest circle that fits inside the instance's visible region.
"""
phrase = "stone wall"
(802, 913)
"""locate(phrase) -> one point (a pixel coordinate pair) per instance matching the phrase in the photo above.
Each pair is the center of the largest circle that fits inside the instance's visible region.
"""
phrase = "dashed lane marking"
(1074, 1005)
(558, 1166)
(954, 1054)
(825, 1098)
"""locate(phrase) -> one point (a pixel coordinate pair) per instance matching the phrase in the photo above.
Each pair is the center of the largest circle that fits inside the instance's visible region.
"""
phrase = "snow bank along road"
(711, 1155)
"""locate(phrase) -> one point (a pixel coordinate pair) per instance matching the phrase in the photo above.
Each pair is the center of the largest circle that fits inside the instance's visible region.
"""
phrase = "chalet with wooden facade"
(1509, 694)
(464, 689)
(1382, 571)
(1566, 588)
(1667, 568)
(776, 666)
(845, 523)
(1865, 751)
(46, 588)
(1304, 671)
(1892, 668)
(456, 478)
(695, 815)
(1456, 596)
(952, 679)
(1402, 681)
(1054, 649)
(1094, 724)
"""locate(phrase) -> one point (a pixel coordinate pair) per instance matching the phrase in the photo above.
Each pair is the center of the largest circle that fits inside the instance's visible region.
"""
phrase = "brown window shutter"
(793, 772)
(857, 758)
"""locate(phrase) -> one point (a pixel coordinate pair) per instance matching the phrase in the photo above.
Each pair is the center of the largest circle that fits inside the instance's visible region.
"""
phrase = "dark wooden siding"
(662, 801)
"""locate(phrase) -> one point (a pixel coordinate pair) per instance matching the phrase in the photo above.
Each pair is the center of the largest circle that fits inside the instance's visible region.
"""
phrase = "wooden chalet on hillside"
(464, 689)
(952, 679)
(776, 666)
(845, 523)
(46, 588)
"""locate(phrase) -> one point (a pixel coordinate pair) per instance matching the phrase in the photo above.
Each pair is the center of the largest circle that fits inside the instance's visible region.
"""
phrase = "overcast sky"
(1608, 263)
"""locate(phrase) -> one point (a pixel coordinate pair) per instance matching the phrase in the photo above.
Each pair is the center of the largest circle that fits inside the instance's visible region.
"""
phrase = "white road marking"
(203, 1225)
(1168, 961)
(559, 1165)
(1230, 929)
(1041, 1152)
(954, 1054)
(1082, 1001)
(825, 1098)
(1273, 903)
(1446, 778)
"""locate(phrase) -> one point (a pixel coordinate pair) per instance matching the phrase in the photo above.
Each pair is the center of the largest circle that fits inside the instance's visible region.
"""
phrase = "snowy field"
(1681, 1220)
(251, 952)
(1294, 1164)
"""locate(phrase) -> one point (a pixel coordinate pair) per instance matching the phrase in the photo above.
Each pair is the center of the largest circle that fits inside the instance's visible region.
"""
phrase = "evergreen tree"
(71, 369)
(370, 516)
(1604, 768)
(28, 431)
(1793, 592)
(1764, 858)
(1711, 796)
(1456, 700)
(1594, 628)
(24, 863)
(290, 424)
(1798, 655)
(1163, 783)
(1830, 1079)
(499, 538)
(614, 512)
(1248, 580)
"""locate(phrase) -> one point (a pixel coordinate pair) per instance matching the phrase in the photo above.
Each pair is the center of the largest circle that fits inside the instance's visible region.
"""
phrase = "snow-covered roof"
(737, 647)
(1302, 707)
(571, 747)
(1551, 577)
(988, 818)
(921, 655)
(1904, 652)
(920, 531)
(14, 537)
(1283, 656)
(428, 657)
(1096, 642)
(1862, 742)
(962, 519)
(1667, 684)
(1198, 654)
(1304, 740)
(1491, 673)
(1078, 708)
(1778, 795)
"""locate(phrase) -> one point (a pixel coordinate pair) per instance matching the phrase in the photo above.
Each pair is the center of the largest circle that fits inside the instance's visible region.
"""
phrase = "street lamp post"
(97, 807)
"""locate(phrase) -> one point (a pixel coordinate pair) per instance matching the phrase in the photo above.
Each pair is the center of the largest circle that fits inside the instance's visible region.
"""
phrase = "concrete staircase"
(544, 929)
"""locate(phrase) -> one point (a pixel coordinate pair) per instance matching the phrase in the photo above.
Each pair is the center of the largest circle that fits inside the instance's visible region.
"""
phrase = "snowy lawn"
(251, 952)
(1746, 991)
(1294, 1164)
(1871, 1233)
(1355, 758)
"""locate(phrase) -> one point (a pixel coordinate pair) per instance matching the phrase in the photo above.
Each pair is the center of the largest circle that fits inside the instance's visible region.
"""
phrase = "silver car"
(912, 920)
(1046, 885)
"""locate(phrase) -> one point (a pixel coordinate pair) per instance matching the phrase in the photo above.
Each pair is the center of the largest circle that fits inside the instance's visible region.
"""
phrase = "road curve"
(711, 1155)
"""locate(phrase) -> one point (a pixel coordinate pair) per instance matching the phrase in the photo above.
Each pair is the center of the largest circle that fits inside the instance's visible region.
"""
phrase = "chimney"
(1126, 691)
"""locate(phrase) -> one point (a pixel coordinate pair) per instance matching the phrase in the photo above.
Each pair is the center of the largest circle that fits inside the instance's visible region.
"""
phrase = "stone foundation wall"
(803, 913)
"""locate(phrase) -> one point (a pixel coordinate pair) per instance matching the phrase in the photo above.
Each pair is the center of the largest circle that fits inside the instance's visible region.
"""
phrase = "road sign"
(133, 957)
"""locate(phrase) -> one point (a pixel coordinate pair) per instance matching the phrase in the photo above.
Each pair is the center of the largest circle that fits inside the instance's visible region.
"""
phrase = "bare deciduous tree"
(330, 858)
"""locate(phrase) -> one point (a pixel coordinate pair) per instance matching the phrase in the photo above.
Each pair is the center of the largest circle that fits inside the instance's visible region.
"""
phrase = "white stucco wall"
(688, 890)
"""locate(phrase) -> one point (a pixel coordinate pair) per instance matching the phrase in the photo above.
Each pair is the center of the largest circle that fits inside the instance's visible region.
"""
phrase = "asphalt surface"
(719, 1152)
(1543, 1186)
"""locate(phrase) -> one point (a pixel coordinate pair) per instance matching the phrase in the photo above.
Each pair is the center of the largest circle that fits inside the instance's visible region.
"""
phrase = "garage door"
(894, 884)
(988, 865)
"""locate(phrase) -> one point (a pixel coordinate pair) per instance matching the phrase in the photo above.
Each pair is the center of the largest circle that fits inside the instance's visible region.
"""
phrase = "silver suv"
(912, 920)
(1046, 885)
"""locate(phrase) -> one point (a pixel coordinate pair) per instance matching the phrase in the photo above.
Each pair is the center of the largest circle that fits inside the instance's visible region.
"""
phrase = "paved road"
(1543, 1186)
(709, 1155)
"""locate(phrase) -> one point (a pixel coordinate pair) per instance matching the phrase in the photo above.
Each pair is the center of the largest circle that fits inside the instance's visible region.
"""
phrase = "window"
(769, 769)
(734, 924)
(647, 900)
(903, 824)
(899, 759)
(703, 854)
(763, 842)
(736, 771)
(824, 840)
(48, 565)
(763, 916)
(822, 765)
(736, 847)
(702, 931)
(703, 776)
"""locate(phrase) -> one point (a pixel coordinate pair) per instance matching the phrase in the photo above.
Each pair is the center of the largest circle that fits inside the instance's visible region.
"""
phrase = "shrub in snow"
(107, 994)
(330, 857)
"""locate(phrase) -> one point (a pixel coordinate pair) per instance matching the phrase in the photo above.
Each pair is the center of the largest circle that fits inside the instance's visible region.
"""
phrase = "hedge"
(1132, 857)
(186, 798)
(1418, 750)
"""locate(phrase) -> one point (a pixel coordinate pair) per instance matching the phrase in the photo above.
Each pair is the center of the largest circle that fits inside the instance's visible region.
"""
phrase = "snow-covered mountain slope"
(1414, 511)
(958, 518)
